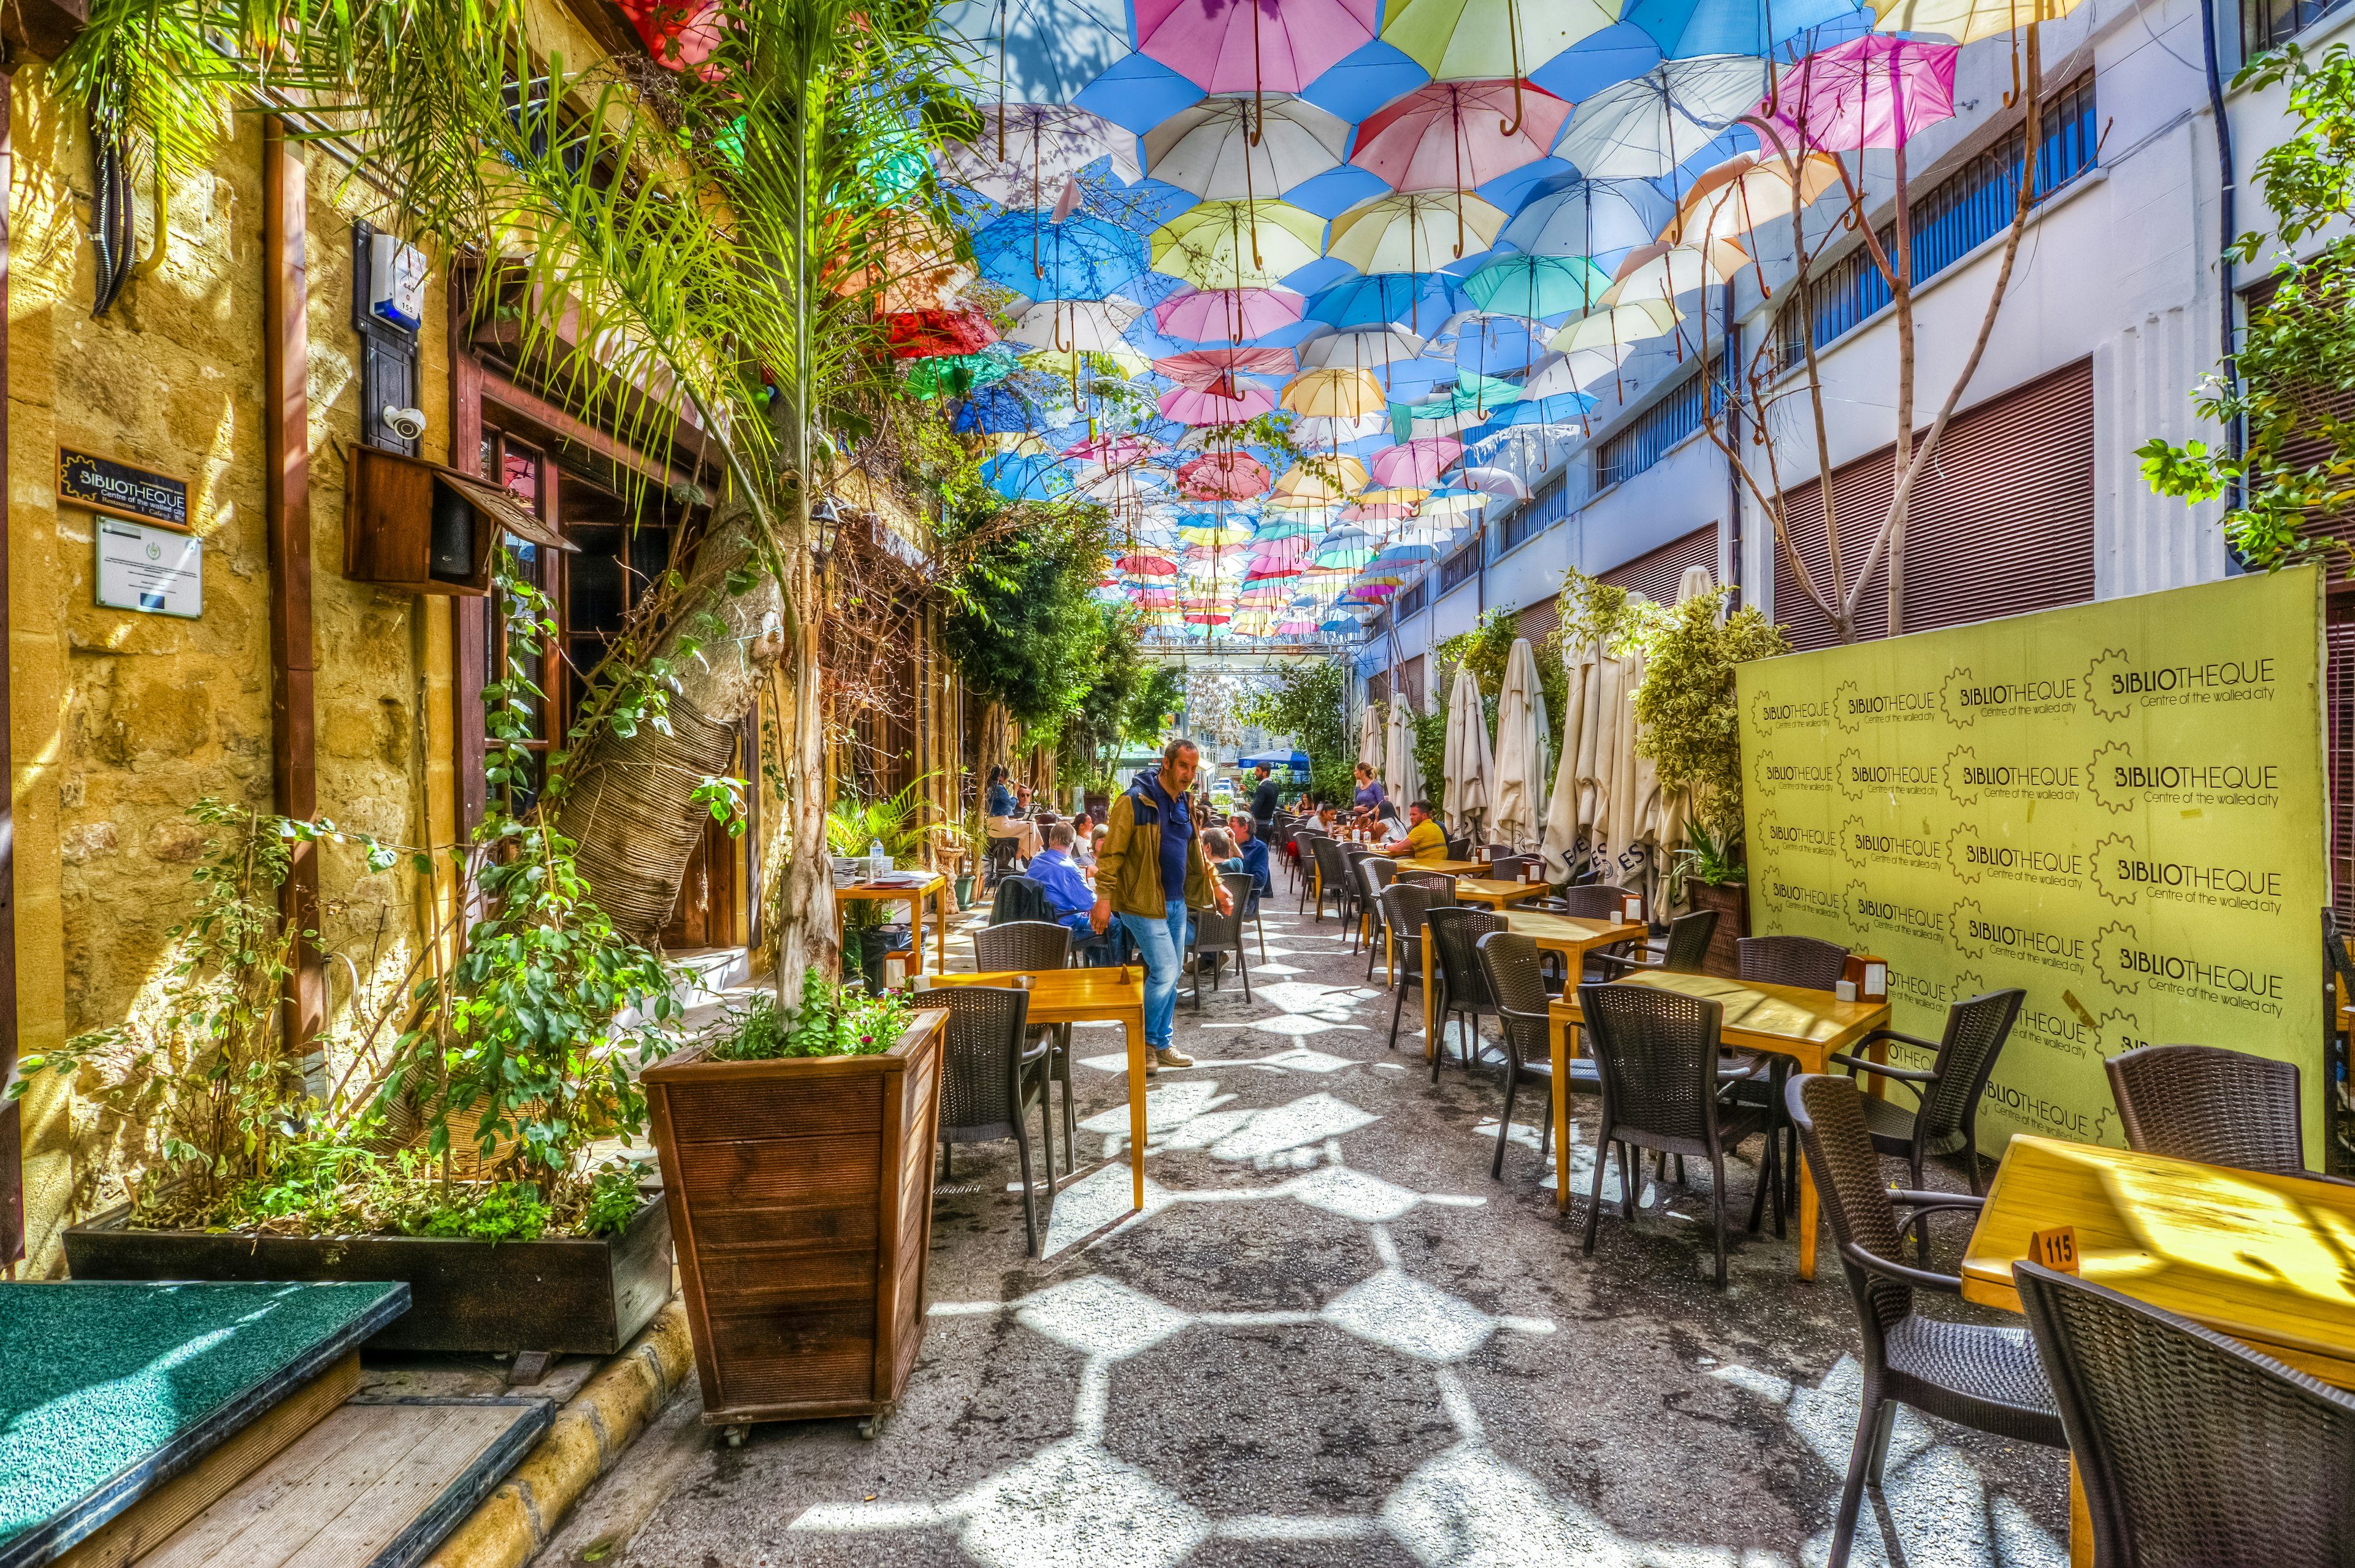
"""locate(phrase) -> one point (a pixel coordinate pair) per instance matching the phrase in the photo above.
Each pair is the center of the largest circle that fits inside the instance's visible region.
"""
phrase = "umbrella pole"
(1259, 104)
(1513, 42)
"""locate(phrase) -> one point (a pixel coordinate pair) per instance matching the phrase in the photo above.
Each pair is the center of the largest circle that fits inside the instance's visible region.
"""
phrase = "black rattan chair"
(1792, 961)
(1353, 904)
(2196, 1451)
(1459, 847)
(1330, 879)
(1979, 1376)
(1945, 1119)
(1509, 961)
(989, 1082)
(1404, 906)
(1221, 933)
(1508, 867)
(1033, 947)
(1018, 898)
(1657, 1054)
(1588, 900)
(1687, 949)
(1438, 882)
(2220, 1107)
(1463, 988)
(1375, 872)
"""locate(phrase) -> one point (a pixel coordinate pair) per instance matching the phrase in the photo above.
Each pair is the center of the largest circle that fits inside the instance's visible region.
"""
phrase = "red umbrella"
(1223, 476)
(1214, 371)
(1418, 461)
(931, 334)
(1148, 566)
(1455, 135)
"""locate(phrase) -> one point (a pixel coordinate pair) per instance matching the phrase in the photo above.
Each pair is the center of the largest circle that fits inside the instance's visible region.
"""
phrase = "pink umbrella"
(1873, 92)
(1214, 369)
(1111, 451)
(1379, 512)
(1199, 315)
(1418, 461)
(1451, 135)
(1281, 46)
(1223, 476)
(1188, 406)
(1148, 566)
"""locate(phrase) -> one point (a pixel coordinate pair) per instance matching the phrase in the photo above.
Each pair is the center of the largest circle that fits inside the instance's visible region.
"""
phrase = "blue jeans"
(1162, 945)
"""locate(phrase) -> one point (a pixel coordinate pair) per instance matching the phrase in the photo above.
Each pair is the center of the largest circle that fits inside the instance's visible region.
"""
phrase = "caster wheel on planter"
(735, 1436)
(872, 1428)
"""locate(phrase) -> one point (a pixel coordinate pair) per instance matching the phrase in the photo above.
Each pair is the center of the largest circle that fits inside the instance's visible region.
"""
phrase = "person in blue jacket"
(1252, 850)
(1068, 893)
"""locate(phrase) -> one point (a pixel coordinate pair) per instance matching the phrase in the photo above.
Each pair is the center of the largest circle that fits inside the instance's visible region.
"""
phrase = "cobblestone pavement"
(1332, 1339)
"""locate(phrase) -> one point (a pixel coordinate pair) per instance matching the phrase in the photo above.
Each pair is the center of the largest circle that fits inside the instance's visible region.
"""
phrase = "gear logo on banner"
(2104, 775)
(1845, 710)
(1849, 772)
(1851, 842)
(2099, 697)
(1965, 850)
(1962, 780)
(2110, 855)
(1969, 920)
(1950, 700)
(2110, 959)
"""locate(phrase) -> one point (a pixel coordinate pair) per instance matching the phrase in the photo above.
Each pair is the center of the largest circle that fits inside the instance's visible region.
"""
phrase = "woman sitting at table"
(1370, 793)
(1425, 842)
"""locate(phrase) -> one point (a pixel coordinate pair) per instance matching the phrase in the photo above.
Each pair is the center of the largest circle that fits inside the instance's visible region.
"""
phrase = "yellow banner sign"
(2117, 807)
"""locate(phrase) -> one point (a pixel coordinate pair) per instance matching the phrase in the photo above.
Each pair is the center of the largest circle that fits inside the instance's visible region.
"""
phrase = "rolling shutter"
(1655, 573)
(1410, 682)
(1538, 620)
(2001, 524)
(1378, 687)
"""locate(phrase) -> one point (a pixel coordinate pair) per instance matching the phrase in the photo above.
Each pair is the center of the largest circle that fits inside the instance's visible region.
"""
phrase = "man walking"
(1150, 868)
(1263, 804)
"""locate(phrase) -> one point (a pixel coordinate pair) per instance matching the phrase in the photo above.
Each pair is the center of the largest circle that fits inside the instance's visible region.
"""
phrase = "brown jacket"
(1128, 866)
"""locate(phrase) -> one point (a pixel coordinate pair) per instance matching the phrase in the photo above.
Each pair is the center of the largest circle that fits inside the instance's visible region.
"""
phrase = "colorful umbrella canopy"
(954, 375)
(1570, 215)
(1684, 28)
(1536, 285)
(1733, 199)
(1189, 407)
(922, 334)
(1093, 326)
(1036, 51)
(1331, 479)
(1418, 301)
(1873, 92)
(1334, 393)
(1359, 348)
(1644, 128)
(1198, 315)
(1214, 369)
(1237, 244)
(1242, 148)
(1967, 21)
(1664, 271)
(1418, 461)
(1080, 258)
(1277, 45)
(1027, 152)
(1459, 39)
(1413, 228)
(1223, 476)
(1454, 136)
(1634, 322)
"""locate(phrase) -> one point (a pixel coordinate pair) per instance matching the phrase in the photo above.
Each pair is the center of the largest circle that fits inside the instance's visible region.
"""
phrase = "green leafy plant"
(1712, 861)
(832, 1021)
(2292, 479)
(1308, 702)
(1686, 707)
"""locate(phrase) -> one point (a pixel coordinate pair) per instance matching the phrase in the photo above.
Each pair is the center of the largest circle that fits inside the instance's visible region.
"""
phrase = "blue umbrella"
(1599, 219)
(1034, 479)
(1036, 51)
(1416, 300)
(1562, 408)
(1081, 258)
(1687, 28)
(1339, 624)
(995, 408)
(1495, 345)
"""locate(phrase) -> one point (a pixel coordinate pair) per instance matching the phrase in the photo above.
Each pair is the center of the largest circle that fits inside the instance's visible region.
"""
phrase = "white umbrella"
(1211, 151)
(1570, 817)
(1400, 778)
(1520, 814)
(1090, 326)
(1470, 765)
(1369, 738)
(1644, 127)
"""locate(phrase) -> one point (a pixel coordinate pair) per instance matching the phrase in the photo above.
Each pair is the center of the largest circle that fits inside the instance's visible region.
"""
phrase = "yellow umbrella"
(1460, 41)
(1664, 271)
(1406, 232)
(1607, 328)
(1303, 487)
(1237, 244)
(1397, 496)
(1965, 21)
(1334, 394)
(1733, 199)
(1069, 363)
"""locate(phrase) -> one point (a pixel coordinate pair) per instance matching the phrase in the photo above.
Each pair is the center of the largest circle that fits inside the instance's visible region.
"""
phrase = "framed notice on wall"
(103, 484)
(2116, 808)
(141, 567)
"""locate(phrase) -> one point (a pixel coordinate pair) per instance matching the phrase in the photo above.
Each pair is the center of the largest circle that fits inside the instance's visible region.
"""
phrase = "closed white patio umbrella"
(1400, 778)
(1521, 728)
(1470, 765)
(1370, 737)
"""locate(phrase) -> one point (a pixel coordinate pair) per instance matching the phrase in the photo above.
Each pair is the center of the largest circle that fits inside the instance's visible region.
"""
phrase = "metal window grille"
(2267, 24)
(1457, 568)
(1648, 437)
(1954, 217)
(1548, 506)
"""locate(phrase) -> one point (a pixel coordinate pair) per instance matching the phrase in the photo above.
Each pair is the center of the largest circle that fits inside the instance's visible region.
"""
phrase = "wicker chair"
(1353, 902)
(1221, 933)
(1589, 901)
(989, 1082)
(1438, 882)
(1792, 961)
(1330, 879)
(1945, 1117)
(1657, 1054)
(1018, 898)
(2338, 975)
(1404, 906)
(1459, 847)
(2220, 1107)
(1510, 867)
(1509, 961)
(1034, 947)
(2196, 1451)
(1979, 1376)
(1463, 988)
(1375, 872)
(1687, 949)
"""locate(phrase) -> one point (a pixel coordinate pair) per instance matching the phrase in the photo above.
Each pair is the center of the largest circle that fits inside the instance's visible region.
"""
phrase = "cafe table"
(1496, 895)
(2257, 1257)
(913, 894)
(1794, 1021)
(1567, 934)
(1459, 870)
(1090, 996)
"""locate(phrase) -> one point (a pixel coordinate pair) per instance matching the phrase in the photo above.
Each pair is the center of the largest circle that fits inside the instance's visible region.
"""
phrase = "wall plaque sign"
(103, 484)
(142, 567)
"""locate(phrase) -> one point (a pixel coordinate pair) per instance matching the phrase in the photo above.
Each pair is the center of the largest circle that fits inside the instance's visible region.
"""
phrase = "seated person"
(1425, 842)
(1069, 897)
(1370, 794)
(1001, 799)
(1387, 821)
(1250, 856)
(1083, 841)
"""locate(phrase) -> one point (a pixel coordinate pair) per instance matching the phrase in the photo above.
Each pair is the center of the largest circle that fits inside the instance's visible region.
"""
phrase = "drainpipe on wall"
(2230, 223)
(1732, 462)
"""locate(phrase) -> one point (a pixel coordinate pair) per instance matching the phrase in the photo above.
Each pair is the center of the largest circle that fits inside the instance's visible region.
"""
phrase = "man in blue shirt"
(1069, 897)
(1252, 851)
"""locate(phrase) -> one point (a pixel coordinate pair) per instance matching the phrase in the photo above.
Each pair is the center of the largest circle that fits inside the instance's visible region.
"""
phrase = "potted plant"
(1707, 874)
(230, 1168)
(796, 1159)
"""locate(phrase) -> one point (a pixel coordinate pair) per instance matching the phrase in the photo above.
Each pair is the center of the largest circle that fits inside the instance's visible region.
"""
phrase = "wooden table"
(1563, 934)
(1496, 895)
(2260, 1258)
(1091, 996)
(1808, 1026)
(935, 887)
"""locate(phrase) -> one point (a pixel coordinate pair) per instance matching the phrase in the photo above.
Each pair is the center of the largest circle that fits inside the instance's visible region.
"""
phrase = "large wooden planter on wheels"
(1732, 903)
(801, 1204)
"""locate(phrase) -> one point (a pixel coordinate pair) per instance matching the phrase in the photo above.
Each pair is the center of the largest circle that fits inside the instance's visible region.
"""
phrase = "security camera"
(407, 425)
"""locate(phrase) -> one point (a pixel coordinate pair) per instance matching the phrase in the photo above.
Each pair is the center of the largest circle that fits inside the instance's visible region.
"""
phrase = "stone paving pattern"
(1332, 1339)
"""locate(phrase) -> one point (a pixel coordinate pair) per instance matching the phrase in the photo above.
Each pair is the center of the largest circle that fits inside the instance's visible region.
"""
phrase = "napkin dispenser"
(1868, 975)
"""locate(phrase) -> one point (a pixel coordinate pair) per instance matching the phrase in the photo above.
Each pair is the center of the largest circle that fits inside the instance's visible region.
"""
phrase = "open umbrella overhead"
(1683, 29)
(1417, 300)
(922, 334)
(1967, 21)
(1243, 148)
(1418, 461)
(1201, 315)
(1570, 215)
(1333, 394)
(1634, 322)
(1730, 201)
(1454, 136)
(1093, 326)
(1459, 39)
(1026, 153)
(1412, 230)
(1402, 779)
(1359, 348)
(1536, 285)
(1646, 127)
(1470, 765)
(1253, 46)
(1189, 407)
(1080, 258)
(1224, 476)
(1333, 479)
(1215, 369)
(1873, 92)
(1660, 271)
(1237, 244)
(1036, 51)
(1520, 785)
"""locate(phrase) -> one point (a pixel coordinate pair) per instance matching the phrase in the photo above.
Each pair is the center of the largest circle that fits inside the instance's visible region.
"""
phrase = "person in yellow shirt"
(1425, 841)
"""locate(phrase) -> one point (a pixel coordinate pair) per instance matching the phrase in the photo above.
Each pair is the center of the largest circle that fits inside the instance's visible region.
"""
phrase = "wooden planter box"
(1732, 903)
(573, 1295)
(801, 1194)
